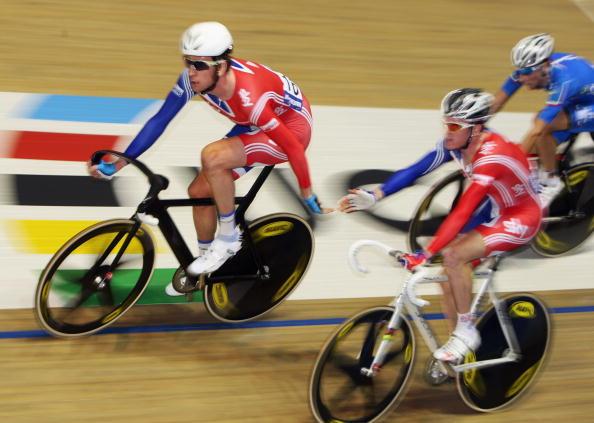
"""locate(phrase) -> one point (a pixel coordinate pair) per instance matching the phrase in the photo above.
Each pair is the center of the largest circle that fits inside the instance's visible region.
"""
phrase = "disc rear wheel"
(571, 215)
(496, 387)
(284, 244)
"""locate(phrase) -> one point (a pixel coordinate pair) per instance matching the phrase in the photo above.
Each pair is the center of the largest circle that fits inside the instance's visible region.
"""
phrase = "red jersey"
(262, 98)
(499, 170)
(268, 100)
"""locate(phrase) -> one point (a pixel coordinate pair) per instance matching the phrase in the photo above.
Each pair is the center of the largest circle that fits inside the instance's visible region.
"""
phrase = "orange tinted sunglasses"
(455, 127)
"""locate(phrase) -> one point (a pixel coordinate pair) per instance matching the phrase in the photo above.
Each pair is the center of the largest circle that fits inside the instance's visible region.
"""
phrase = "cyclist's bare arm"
(501, 98)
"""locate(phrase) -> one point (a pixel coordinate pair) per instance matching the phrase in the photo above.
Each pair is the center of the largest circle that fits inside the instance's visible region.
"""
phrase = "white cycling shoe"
(548, 193)
(459, 344)
(219, 252)
(170, 290)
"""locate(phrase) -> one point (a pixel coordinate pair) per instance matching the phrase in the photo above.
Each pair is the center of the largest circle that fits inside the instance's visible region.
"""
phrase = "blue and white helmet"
(206, 39)
(532, 50)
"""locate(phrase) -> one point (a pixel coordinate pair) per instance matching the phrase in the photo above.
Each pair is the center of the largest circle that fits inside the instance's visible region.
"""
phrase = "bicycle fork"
(387, 338)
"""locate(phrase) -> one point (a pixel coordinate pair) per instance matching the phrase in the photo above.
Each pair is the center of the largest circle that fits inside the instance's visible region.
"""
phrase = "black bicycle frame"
(156, 207)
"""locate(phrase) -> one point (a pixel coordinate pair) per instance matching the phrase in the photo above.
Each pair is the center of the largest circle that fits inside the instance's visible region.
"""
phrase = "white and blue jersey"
(571, 89)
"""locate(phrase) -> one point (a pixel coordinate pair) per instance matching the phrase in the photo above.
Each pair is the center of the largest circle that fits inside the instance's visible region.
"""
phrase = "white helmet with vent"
(532, 50)
(470, 105)
(206, 39)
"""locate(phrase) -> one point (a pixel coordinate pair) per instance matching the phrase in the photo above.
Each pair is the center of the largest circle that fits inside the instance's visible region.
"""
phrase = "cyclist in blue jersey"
(569, 109)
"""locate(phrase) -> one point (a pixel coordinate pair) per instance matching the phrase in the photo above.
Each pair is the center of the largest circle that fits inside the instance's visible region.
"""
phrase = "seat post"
(247, 199)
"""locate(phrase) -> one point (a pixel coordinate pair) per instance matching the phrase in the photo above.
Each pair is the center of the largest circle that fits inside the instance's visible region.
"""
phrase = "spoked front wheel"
(94, 278)
(339, 391)
(571, 214)
(496, 387)
(284, 243)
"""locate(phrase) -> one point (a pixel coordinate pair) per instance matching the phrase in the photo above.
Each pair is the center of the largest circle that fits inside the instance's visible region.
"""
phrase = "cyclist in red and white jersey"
(499, 211)
(273, 125)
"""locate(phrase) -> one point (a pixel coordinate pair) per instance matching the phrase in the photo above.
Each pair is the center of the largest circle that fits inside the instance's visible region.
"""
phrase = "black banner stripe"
(60, 190)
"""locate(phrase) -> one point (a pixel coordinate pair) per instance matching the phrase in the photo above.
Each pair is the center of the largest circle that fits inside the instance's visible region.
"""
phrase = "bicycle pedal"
(187, 284)
(436, 373)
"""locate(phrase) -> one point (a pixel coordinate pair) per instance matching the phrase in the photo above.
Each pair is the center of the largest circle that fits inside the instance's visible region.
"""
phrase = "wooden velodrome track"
(383, 53)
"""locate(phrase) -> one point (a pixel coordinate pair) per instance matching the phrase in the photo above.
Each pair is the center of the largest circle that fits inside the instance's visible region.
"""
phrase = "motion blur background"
(77, 75)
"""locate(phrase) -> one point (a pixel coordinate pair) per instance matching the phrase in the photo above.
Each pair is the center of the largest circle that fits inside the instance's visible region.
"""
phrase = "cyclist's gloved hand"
(411, 260)
(106, 170)
(313, 204)
(357, 199)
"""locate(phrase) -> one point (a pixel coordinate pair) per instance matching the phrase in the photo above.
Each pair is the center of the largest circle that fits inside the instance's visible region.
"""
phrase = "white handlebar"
(420, 275)
(355, 247)
(415, 278)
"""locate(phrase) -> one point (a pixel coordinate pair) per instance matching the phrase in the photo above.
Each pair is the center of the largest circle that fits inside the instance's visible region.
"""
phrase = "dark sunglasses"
(201, 65)
(524, 71)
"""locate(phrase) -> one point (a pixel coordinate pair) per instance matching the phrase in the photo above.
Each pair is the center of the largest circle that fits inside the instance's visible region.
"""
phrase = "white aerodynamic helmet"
(532, 50)
(206, 39)
(467, 104)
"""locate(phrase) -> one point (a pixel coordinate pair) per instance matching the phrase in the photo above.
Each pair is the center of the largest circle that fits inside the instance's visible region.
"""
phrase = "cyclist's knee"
(452, 258)
(215, 156)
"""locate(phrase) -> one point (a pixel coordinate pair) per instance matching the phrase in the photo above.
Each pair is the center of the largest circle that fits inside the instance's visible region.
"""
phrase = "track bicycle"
(569, 222)
(363, 369)
(98, 274)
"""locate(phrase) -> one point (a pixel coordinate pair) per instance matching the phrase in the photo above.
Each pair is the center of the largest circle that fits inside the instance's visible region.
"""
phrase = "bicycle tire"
(73, 299)
(561, 237)
(338, 391)
(495, 388)
(277, 238)
(439, 201)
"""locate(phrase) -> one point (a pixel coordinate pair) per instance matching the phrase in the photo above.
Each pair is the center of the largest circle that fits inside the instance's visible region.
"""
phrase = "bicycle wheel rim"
(58, 284)
(394, 381)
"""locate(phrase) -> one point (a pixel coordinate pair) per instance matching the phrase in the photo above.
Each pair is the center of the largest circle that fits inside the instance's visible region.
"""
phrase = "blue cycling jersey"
(571, 89)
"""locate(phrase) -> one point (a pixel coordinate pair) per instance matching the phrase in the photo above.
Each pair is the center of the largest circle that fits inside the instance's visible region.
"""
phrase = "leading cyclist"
(273, 125)
(499, 211)
(569, 109)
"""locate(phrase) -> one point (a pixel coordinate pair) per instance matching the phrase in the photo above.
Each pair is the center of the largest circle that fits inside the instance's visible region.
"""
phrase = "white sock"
(465, 322)
(203, 246)
(227, 230)
(548, 178)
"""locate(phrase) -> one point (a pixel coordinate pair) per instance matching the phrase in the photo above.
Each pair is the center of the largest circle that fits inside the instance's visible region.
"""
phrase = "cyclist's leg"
(457, 258)
(481, 215)
(546, 145)
(205, 217)
(218, 159)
